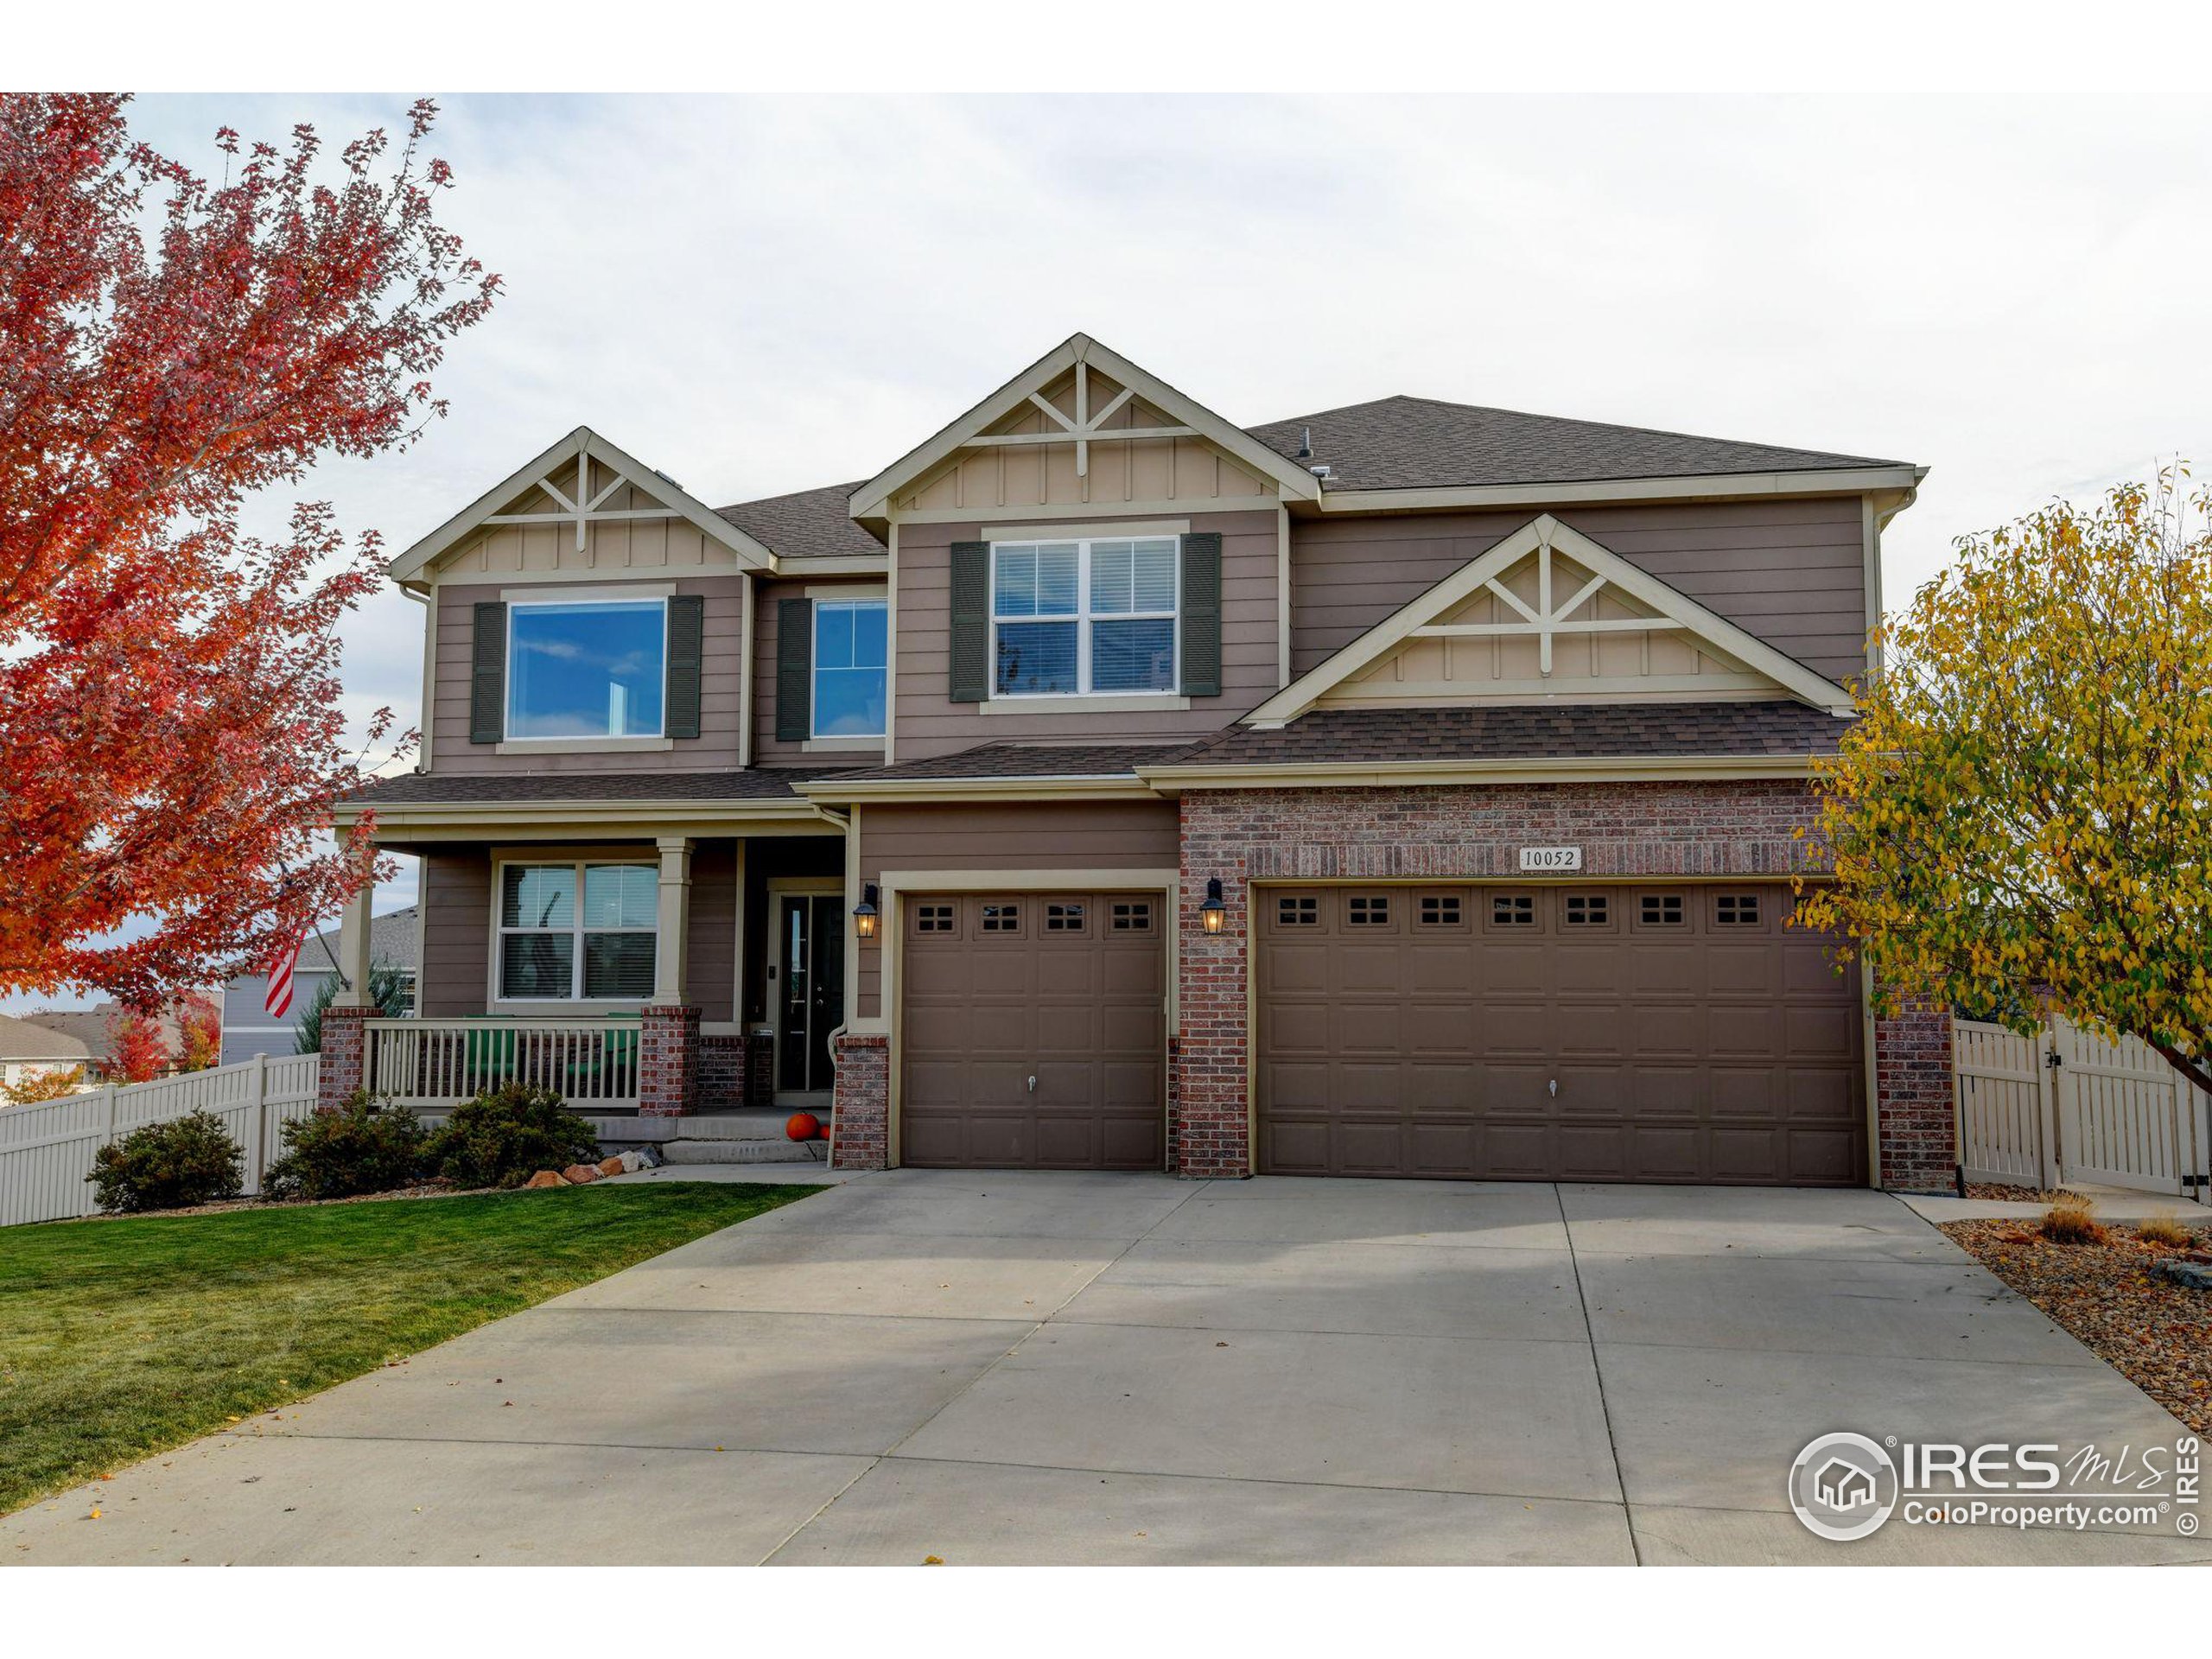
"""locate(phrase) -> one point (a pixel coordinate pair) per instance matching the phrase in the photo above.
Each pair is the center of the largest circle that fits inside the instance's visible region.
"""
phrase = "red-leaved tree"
(170, 735)
(200, 1030)
(138, 1051)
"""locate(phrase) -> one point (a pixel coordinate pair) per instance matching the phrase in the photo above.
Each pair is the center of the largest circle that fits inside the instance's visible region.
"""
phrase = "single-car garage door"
(1662, 1032)
(1033, 1031)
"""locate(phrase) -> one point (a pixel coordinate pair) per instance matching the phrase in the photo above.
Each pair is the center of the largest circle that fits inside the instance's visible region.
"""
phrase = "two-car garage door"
(1660, 1032)
(1673, 1032)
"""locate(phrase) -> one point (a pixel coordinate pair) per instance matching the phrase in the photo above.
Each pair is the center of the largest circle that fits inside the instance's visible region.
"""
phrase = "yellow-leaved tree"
(2022, 816)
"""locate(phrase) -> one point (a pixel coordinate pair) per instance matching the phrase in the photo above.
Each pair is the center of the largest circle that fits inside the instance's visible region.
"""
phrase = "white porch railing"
(434, 1064)
(47, 1150)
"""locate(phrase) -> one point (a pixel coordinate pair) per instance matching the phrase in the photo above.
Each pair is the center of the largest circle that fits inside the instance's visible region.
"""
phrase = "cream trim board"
(843, 745)
(1540, 533)
(835, 591)
(890, 650)
(1282, 597)
(428, 601)
(484, 822)
(1087, 702)
(1709, 486)
(1874, 1080)
(1122, 788)
(746, 623)
(582, 593)
(1676, 688)
(1083, 515)
(872, 500)
(583, 745)
(1394, 774)
(1101, 529)
(587, 444)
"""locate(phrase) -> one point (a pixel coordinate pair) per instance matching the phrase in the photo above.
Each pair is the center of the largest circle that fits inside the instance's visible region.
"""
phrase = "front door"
(809, 993)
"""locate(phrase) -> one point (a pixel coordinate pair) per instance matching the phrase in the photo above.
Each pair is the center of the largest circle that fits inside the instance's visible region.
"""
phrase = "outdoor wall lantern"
(864, 913)
(1213, 912)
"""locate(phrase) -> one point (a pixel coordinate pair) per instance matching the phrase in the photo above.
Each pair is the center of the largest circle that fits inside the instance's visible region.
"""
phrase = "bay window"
(577, 932)
(1075, 618)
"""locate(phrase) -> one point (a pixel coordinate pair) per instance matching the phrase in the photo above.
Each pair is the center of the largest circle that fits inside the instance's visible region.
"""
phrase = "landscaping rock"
(2187, 1273)
(632, 1163)
(613, 1166)
(544, 1178)
(579, 1175)
(648, 1158)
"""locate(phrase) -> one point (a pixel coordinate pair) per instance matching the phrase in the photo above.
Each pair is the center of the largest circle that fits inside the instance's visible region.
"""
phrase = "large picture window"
(585, 668)
(1073, 618)
(850, 640)
(577, 932)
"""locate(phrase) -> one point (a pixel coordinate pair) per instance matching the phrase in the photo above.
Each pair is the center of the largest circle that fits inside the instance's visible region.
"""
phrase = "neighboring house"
(86, 1035)
(1406, 789)
(248, 1026)
(31, 1047)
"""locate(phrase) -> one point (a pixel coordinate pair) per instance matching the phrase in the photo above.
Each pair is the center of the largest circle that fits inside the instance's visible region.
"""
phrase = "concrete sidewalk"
(1011, 1368)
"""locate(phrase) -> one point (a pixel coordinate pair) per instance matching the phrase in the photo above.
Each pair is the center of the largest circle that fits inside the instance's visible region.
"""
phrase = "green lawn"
(121, 1339)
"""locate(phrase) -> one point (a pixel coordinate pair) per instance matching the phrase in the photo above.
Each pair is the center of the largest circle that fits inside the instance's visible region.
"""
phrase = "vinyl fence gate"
(2066, 1106)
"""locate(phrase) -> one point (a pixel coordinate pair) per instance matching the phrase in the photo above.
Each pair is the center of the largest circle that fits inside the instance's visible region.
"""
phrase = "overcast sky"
(758, 294)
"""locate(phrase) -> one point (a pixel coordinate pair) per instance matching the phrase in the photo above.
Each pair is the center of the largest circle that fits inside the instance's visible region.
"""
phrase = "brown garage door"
(1667, 1032)
(1033, 1031)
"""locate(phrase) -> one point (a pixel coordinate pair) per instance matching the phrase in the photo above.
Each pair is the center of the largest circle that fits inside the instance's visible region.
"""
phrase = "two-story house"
(1408, 789)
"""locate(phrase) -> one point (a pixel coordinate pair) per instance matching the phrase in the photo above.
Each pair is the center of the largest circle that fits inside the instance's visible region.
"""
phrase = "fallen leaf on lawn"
(932, 1561)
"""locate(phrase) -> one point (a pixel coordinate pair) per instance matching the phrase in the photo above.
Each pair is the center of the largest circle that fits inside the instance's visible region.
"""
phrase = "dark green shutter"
(971, 621)
(687, 639)
(794, 669)
(487, 675)
(1202, 615)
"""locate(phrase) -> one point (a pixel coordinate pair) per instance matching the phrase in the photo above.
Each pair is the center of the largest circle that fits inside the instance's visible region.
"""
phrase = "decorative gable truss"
(582, 507)
(1550, 613)
(1081, 428)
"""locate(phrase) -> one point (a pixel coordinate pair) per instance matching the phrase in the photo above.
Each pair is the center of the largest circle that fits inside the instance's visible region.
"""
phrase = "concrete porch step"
(778, 1151)
(730, 1126)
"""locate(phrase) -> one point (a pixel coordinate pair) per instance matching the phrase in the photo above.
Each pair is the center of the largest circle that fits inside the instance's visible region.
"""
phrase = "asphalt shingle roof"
(442, 789)
(1507, 732)
(807, 525)
(1412, 443)
(1023, 761)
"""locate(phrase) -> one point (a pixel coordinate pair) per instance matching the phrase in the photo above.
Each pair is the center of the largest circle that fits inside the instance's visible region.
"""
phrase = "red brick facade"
(668, 1060)
(1738, 828)
(733, 1072)
(860, 1124)
(345, 1054)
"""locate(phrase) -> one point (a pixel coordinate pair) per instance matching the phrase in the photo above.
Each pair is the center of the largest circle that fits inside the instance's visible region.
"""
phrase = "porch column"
(354, 934)
(670, 957)
(668, 1041)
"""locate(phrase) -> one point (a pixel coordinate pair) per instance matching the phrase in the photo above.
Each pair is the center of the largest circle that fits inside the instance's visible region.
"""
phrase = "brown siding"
(1792, 572)
(710, 944)
(451, 752)
(1105, 835)
(456, 900)
(929, 723)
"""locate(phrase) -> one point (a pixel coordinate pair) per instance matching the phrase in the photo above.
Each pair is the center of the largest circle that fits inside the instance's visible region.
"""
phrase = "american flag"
(279, 999)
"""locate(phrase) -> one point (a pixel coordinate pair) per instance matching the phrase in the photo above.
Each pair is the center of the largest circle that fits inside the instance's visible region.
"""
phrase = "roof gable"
(1547, 614)
(581, 483)
(1025, 413)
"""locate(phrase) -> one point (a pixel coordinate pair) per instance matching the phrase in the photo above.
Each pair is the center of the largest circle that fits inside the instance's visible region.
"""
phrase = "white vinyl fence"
(47, 1150)
(2064, 1105)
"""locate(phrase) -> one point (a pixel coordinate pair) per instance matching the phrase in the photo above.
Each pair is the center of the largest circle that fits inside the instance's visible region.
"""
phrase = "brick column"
(1916, 1115)
(860, 1126)
(343, 1067)
(668, 1060)
(721, 1073)
(1210, 1127)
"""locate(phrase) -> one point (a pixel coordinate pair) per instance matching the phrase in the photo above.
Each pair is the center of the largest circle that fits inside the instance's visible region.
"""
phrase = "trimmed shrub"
(362, 1145)
(503, 1138)
(188, 1161)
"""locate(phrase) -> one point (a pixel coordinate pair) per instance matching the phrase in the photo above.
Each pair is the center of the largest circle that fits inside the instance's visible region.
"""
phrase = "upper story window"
(1078, 617)
(585, 668)
(849, 671)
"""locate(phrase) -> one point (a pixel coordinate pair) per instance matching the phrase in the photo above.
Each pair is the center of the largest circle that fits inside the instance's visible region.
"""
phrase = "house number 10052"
(1551, 858)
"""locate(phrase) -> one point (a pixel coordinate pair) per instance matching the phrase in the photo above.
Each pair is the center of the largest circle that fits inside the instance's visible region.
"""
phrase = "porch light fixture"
(864, 913)
(1213, 912)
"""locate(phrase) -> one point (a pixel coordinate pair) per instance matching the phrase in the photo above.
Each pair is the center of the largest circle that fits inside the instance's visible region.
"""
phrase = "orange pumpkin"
(803, 1126)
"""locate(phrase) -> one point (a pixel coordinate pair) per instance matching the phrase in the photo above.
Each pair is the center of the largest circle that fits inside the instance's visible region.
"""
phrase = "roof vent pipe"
(1305, 443)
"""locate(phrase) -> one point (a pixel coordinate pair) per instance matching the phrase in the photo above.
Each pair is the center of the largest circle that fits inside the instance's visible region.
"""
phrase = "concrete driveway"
(1114, 1368)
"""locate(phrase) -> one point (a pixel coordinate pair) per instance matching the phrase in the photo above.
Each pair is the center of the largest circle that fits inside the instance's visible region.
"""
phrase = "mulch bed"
(2156, 1334)
(437, 1188)
(2007, 1194)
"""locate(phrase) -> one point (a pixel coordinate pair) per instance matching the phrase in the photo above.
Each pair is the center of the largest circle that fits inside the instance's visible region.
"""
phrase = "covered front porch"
(643, 970)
